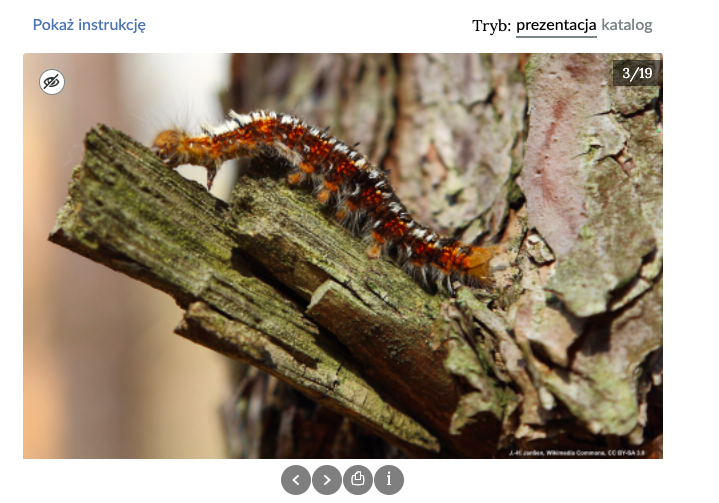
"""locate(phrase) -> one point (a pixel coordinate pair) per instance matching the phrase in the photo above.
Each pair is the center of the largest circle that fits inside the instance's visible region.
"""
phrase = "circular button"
(388, 480)
(358, 479)
(327, 480)
(52, 82)
(296, 479)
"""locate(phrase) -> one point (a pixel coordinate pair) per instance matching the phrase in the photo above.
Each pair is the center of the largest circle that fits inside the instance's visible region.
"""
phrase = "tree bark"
(563, 351)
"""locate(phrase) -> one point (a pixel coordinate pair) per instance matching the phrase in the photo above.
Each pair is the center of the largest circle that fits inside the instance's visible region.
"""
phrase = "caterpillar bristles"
(340, 177)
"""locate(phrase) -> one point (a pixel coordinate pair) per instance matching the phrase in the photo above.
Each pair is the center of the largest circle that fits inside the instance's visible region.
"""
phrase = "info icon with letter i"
(52, 82)
(388, 480)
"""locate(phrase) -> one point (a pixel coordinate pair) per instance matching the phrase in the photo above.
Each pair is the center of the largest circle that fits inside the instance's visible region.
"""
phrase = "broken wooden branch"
(270, 280)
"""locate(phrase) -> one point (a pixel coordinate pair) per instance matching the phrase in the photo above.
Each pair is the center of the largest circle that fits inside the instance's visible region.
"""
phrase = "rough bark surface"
(563, 352)
(593, 180)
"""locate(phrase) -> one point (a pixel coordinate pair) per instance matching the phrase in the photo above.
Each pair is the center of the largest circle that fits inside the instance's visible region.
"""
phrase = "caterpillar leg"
(295, 177)
(374, 251)
(323, 196)
(448, 285)
(327, 191)
(211, 174)
(307, 168)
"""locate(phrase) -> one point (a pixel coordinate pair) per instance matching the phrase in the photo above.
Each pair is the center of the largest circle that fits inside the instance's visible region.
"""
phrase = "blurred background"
(103, 374)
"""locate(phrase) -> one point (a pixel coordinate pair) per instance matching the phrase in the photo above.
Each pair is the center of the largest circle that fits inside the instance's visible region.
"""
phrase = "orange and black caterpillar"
(360, 191)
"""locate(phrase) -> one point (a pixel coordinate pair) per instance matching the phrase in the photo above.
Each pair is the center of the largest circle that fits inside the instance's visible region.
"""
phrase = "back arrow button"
(296, 479)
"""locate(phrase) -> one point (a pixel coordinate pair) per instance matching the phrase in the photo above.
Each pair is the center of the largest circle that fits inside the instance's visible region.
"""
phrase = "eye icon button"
(52, 82)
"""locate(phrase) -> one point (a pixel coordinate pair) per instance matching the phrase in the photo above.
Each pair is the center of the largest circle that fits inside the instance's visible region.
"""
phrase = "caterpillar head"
(476, 264)
(175, 147)
(167, 146)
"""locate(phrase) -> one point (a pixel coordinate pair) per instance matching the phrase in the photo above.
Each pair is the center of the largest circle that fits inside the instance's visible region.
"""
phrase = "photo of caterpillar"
(395, 255)
(361, 193)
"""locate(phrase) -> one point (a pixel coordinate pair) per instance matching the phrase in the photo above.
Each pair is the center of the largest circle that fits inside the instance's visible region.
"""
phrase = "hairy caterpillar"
(360, 191)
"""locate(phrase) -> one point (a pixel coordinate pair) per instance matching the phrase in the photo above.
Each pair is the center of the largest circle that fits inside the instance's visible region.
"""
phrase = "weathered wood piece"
(129, 212)
(376, 310)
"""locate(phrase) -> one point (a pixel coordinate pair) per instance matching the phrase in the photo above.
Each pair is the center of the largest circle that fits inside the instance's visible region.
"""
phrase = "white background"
(683, 32)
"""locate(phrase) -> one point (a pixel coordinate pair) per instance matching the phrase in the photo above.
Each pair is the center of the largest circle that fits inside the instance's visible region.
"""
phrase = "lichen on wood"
(129, 212)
